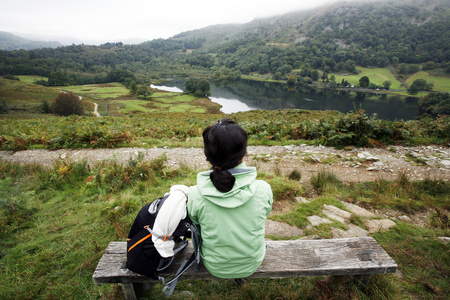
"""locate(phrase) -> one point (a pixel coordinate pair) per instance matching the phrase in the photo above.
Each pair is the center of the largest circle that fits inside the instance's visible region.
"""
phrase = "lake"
(247, 95)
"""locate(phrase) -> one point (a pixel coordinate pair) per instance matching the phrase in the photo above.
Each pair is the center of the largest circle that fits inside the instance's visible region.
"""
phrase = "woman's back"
(232, 223)
(229, 204)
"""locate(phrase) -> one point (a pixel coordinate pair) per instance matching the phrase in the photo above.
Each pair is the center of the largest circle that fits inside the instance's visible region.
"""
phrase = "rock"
(63, 156)
(445, 163)
(359, 211)
(315, 158)
(404, 218)
(316, 220)
(356, 231)
(372, 169)
(372, 158)
(379, 225)
(353, 231)
(361, 155)
(339, 233)
(301, 200)
(282, 229)
(444, 239)
(336, 213)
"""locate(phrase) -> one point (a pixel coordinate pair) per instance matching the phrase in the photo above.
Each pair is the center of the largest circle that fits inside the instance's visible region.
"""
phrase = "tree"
(204, 86)
(315, 75)
(197, 88)
(66, 104)
(133, 87)
(420, 85)
(291, 80)
(191, 85)
(46, 108)
(403, 69)
(119, 75)
(435, 104)
(364, 82)
(413, 69)
(143, 91)
(58, 78)
(387, 84)
(3, 106)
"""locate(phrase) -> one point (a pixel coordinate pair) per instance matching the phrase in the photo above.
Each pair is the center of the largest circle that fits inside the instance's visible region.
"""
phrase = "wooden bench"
(360, 257)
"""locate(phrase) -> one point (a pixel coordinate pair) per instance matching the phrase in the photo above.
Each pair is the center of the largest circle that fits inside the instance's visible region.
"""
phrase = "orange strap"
(140, 241)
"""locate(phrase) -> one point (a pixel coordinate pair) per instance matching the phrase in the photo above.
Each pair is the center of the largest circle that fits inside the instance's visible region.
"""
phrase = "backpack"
(156, 230)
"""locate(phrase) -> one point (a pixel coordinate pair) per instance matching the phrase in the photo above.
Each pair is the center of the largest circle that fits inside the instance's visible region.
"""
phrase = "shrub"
(67, 104)
(46, 108)
(11, 77)
(295, 175)
(4, 108)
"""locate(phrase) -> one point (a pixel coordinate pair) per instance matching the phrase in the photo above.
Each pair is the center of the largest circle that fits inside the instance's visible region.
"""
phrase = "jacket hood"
(237, 196)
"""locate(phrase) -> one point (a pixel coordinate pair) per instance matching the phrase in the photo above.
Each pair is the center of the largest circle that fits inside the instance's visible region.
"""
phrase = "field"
(113, 98)
(441, 84)
(376, 75)
(98, 91)
(25, 96)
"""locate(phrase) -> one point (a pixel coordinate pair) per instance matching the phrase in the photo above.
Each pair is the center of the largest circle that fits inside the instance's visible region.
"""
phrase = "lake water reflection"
(248, 95)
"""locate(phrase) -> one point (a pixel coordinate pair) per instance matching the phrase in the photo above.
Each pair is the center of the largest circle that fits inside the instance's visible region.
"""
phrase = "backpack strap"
(169, 287)
(161, 266)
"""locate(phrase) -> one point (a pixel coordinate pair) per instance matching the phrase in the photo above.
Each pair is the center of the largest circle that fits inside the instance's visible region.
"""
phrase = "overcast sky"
(120, 20)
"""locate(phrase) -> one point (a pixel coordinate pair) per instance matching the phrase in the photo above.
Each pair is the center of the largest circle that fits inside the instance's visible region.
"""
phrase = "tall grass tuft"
(323, 181)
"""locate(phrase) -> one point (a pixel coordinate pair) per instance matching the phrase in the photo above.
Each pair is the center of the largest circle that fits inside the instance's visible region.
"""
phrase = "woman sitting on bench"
(229, 204)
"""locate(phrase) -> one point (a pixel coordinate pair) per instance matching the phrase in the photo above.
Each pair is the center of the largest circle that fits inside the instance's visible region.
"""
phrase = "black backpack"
(142, 255)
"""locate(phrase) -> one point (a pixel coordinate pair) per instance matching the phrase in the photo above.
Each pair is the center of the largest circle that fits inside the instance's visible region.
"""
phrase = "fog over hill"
(410, 35)
(9, 41)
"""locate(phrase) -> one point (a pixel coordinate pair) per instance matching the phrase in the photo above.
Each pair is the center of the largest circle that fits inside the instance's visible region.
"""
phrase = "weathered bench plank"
(351, 256)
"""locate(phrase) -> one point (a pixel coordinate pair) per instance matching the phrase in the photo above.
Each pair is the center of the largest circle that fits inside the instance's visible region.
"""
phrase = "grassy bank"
(56, 223)
(184, 129)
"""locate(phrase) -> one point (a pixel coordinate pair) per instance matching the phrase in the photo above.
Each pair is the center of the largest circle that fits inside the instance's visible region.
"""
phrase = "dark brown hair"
(225, 144)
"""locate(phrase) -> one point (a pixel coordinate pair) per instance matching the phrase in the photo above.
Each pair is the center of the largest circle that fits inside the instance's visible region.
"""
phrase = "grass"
(31, 78)
(121, 102)
(55, 224)
(441, 84)
(376, 75)
(99, 91)
(114, 97)
(25, 96)
(423, 260)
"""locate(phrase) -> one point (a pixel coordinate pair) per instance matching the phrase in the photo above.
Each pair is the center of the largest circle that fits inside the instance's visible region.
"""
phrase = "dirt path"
(356, 165)
(95, 110)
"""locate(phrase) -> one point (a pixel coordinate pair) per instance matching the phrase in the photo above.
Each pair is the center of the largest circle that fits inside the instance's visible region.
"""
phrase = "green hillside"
(334, 39)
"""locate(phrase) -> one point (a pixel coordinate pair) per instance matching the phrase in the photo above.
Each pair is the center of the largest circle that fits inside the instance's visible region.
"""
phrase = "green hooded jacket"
(231, 223)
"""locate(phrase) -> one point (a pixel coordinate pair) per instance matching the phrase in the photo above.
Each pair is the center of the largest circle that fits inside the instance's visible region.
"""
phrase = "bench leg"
(363, 280)
(128, 291)
(133, 291)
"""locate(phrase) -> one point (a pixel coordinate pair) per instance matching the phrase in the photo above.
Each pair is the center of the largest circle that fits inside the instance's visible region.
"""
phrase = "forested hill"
(9, 41)
(332, 38)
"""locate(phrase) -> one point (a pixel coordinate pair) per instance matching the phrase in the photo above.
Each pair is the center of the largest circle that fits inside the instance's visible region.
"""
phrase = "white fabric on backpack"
(169, 216)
